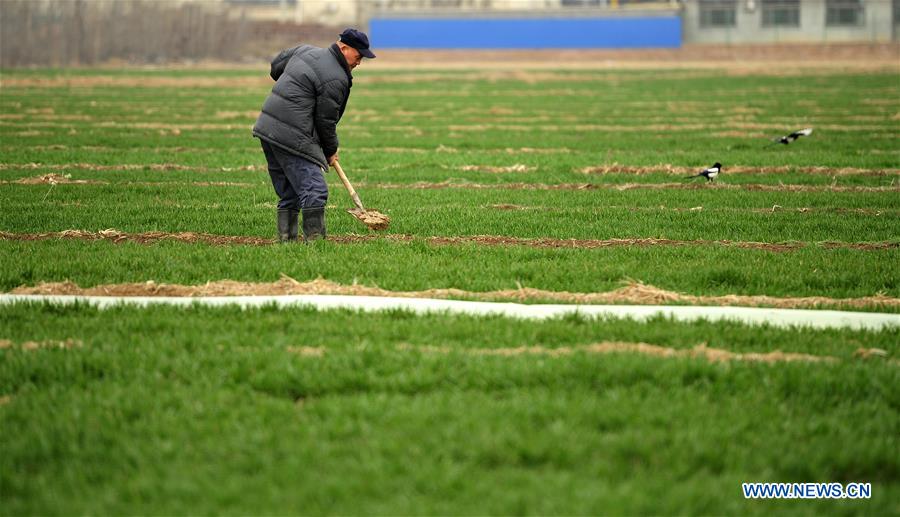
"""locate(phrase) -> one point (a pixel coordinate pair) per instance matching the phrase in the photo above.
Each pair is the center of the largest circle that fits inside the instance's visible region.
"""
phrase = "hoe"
(374, 219)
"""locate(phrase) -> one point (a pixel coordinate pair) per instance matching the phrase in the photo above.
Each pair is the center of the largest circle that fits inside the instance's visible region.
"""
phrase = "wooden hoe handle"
(353, 195)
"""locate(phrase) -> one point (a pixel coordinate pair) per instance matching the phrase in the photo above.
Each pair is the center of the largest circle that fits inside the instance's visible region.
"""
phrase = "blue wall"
(526, 33)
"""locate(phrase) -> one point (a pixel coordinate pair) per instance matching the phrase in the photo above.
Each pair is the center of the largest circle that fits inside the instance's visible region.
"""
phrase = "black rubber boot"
(313, 224)
(287, 225)
(293, 224)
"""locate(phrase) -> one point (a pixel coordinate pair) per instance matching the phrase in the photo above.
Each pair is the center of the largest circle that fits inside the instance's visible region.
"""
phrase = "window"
(844, 12)
(718, 13)
(781, 13)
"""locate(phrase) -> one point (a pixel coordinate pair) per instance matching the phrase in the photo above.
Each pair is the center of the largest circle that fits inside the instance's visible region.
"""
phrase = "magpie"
(710, 173)
(793, 136)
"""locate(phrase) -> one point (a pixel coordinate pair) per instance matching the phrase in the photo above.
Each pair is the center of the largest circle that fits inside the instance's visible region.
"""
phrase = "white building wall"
(328, 12)
(877, 27)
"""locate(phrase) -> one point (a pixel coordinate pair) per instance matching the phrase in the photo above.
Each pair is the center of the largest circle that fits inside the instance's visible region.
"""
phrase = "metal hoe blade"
(374, 219)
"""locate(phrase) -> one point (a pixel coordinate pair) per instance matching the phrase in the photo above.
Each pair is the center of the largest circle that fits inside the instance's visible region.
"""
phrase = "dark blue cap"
(358, 40)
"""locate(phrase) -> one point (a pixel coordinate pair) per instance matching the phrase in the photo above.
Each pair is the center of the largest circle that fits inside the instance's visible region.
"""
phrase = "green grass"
(207, 411)
(166, 409)
(558, 214)
(805, 272)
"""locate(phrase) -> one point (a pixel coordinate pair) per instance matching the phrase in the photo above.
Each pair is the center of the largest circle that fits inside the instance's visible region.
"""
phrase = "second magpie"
(710, 173)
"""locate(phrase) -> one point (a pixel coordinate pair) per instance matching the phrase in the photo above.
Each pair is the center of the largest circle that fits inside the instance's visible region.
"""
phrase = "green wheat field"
(551, 185)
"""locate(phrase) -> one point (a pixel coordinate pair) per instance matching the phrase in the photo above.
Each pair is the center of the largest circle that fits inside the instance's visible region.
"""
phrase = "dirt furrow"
(886, 130)
(890, 130)
(59, 179)
(66, 179)
(117, 236)
(38, 345)
(143, 237)
(107, 81)
(773, 210)
(680, 170)
(701, 351)
(55, 178)
(696, 185)
(124, 167)
(663, 168)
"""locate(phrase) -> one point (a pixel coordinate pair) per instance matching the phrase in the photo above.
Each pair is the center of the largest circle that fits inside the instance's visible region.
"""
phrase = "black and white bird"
(710, 173)
(793, 136)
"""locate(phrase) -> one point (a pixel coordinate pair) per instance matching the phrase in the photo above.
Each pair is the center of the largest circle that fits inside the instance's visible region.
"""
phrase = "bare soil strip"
(119, 167)
(774, 59)
(307, 351)
(164, 129)
(737, 169)
(60, 179)
(650, 241)
(626, 128)
(688, 70)
(117, 236)
(37, 345)
(834, 210)
(687, 185)
(142, 238)
(452, 150)
(492, 240)
(105, 148)
(399, 150)
(885, 130)
(701, 351)
(632, 293)
(54, 179)
(57, 179)
(106, 81)
(614, 168)
(497, 168)
(773, 210)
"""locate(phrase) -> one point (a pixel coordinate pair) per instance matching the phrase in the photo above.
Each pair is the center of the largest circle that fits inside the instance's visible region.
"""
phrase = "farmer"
(298, 127)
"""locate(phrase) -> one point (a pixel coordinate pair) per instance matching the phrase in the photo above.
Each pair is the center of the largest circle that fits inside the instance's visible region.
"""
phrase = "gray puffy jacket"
(311, 89)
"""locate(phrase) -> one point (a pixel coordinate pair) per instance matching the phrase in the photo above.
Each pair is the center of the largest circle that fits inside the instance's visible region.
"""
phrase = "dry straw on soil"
(701, 351)
(634, 293)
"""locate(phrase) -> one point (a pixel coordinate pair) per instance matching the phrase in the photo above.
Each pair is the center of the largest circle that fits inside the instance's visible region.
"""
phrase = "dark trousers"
(299, 183)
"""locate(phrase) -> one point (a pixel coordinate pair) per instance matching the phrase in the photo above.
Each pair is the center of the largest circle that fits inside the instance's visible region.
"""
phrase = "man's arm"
(328, 106)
